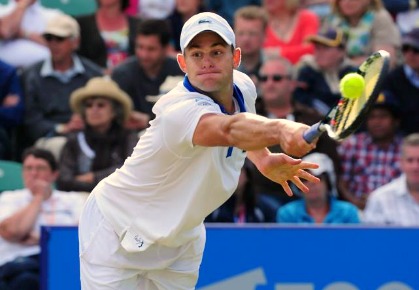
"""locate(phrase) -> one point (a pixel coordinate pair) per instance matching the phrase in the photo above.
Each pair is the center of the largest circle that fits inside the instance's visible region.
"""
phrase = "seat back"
(10, 175)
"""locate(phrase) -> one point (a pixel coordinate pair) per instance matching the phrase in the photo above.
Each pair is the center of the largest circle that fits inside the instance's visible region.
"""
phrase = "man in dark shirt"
(148, 74)
(403, 83)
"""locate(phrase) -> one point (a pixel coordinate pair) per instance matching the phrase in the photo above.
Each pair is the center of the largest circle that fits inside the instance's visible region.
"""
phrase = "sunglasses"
(275, 78)
(406, 48)
(98, 104)
(50, 37)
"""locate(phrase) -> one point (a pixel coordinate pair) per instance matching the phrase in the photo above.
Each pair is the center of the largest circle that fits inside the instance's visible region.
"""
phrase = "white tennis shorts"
(105, 265)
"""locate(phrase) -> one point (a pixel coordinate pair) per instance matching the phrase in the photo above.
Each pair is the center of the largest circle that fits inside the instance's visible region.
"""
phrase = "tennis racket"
(347, 116)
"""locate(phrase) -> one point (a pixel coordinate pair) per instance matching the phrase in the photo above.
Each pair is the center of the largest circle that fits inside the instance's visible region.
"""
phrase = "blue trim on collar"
(237, 94)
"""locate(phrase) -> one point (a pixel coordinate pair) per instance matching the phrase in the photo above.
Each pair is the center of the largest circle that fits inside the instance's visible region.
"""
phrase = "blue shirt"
(10, 116)
(341, 212)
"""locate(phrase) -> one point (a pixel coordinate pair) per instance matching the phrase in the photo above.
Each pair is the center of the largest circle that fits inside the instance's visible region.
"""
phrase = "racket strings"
(342, 117)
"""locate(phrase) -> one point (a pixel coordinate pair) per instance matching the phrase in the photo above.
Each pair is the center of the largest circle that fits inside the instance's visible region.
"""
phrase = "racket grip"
(314, 132)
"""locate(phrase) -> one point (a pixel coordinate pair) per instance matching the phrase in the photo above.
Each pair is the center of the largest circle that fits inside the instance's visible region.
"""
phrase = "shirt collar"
(411, 75)
(402, 188)
(48, 71)
(237, 94)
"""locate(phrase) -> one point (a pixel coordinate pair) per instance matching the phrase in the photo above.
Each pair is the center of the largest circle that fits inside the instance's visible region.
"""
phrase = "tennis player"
(142, 227)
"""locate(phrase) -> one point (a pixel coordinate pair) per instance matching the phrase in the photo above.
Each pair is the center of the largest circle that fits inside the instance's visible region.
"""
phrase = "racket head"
(348, 115)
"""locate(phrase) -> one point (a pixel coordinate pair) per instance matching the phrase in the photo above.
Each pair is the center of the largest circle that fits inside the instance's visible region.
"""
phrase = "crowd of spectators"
(82, 87)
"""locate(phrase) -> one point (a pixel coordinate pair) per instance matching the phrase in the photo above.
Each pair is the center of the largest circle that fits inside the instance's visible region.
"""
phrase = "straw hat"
(101, 87)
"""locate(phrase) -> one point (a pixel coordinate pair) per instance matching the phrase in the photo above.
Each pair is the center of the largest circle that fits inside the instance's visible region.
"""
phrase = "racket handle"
(314, 132)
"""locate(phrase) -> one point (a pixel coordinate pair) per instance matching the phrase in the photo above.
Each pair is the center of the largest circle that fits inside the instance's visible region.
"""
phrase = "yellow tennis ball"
(352, 86)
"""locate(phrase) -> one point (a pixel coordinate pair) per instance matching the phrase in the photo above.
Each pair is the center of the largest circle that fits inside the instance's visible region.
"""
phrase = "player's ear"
(237, 57)
(181, 61)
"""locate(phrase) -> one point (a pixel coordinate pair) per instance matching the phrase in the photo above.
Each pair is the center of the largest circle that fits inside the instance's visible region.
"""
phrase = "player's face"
(249, 35)
(150, 52)
(209, 63)
(410, 165)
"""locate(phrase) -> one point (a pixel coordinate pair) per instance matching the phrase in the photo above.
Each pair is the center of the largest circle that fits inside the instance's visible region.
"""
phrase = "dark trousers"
(20, 274)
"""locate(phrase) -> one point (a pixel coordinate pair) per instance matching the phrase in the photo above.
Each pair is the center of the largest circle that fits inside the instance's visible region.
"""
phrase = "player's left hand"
(282, 169)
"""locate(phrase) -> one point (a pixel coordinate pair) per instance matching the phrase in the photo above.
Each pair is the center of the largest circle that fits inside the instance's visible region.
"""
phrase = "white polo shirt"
(392, 204)
(168, 186)
(62, 208)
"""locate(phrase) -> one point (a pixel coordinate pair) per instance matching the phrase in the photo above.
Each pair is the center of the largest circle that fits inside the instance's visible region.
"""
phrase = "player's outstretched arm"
(251, 132)
(283, 169)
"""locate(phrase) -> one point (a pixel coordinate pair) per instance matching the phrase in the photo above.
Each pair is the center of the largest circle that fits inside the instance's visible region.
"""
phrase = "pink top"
(307, 24)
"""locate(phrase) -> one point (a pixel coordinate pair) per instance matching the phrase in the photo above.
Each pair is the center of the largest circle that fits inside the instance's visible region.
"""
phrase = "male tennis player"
(142, 226)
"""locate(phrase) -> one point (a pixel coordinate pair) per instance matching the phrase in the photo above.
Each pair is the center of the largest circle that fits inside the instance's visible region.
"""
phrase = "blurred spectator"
(22, 25)
(144, 76)
(11, 108)
(320, 7)
(241, 206)
(406, 21)
(48, 84)
(24, 211)
(184, 10)
(107, 37)
(403, 82)
(104, 144)
(318, 75)
(372, 158)
(249, 26)
(227, 8)
(150, 9)
(369, 25)
(319, 205)
(397, 6)
(288, 27)
(275, 100)
(397, 203)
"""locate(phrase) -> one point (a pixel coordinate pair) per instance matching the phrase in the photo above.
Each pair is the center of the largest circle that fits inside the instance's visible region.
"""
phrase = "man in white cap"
(48, 84)
(142, 227)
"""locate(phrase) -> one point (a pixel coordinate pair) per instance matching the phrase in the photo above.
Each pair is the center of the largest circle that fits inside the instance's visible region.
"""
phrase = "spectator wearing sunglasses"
(403, 83)
(276, 86)
(96, 151)
(49, 83)
(318, 75)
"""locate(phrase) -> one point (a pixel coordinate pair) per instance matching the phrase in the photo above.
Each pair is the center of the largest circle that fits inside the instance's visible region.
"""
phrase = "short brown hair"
(410, 140)
(252, 12)
(374, 5)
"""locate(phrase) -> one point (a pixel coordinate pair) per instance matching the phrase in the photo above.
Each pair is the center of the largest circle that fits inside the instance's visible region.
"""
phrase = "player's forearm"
(18, 226)
(253, 132)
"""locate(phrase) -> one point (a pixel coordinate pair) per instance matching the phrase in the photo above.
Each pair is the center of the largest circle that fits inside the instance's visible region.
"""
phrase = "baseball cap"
(411, 38)
(206, 21)
(387, 100)
(331, 37)
(63, 26)
(325, 166)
